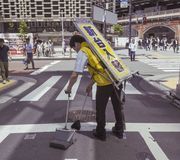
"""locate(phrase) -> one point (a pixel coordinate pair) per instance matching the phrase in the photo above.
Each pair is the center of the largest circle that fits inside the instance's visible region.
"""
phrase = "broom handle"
(83, 107)
(67, 110)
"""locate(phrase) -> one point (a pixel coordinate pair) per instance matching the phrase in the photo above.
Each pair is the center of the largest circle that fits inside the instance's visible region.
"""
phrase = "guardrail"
(151, 15)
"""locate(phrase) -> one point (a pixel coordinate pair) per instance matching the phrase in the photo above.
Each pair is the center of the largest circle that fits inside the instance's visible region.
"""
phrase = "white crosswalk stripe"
(41, 90)
(63, 96)
(15, 92)
(167, 65)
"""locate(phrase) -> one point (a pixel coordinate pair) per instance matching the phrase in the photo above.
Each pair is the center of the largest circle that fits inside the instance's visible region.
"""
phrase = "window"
(47, 1)
(13, 13)
(5, 1)
(61, 5)
(55, 12)
(6, 11)
(82, 7)
(12, 3)
(39, 13)
(47, 10)
(47, 15)
(47, 5)
(32, 5)
(6, 16)
(55, 7)
(6, 6)
(39, 8)
(39, 3)
(33, 15)
(88, 15)
(12, 8)
(82, 12)
(32, 10)
(55, 2)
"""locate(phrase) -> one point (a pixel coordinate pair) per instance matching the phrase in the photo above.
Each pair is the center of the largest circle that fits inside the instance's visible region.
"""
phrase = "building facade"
(151, 18)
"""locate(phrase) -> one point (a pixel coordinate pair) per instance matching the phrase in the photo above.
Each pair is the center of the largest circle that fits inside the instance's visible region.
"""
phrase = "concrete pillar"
(1, 27)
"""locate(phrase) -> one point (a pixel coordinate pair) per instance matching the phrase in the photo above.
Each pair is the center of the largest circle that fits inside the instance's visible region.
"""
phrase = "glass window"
(47, 5)
(55, 7)
(39, 13)
(47, 15)
(55, 2)
(47, 10)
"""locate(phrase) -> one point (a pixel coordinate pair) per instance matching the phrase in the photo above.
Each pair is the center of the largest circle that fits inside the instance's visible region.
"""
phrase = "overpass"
(161, 23)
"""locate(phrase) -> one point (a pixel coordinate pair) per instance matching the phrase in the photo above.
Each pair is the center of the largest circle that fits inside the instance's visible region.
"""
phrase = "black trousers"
(102, 96)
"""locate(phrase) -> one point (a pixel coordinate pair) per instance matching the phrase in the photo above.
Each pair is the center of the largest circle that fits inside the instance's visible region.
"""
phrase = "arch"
(159, 31)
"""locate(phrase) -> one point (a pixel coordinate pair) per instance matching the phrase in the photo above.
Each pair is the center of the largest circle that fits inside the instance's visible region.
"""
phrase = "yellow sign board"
(115, 66)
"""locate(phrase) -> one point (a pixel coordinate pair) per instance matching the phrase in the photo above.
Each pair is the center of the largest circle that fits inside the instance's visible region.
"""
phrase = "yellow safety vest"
(94, 67)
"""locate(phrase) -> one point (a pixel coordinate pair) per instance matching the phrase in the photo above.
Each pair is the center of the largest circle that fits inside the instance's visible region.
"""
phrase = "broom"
(77, 124)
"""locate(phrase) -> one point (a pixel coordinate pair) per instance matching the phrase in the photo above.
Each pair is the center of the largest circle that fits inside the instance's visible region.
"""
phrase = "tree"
(23, 29)
(11, 26)
(118, 29)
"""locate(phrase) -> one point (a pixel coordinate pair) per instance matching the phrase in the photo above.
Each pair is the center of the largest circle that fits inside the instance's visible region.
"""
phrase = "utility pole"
(105, 15)
(130, 19)
(62, 31)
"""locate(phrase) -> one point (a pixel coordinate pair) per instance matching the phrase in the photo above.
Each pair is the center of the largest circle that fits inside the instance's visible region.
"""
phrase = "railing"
(171, 13)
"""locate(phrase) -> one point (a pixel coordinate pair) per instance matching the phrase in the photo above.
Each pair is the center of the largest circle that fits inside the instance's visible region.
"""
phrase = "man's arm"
(72, 81)
(89, 87)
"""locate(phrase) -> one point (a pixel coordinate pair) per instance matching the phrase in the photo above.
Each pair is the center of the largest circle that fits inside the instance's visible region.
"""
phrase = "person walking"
(133, 48)
(29, 54)
(4, 66)
(105, 88)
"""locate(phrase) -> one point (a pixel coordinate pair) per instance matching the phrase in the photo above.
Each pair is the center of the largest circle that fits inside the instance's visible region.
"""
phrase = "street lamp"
(61, 14)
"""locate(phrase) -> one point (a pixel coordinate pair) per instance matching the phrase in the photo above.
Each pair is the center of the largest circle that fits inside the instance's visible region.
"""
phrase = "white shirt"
(133, 47)
(81, 62)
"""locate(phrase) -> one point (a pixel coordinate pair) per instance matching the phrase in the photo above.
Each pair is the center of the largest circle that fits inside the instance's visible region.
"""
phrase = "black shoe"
(99, 136)
(117, 133)
(26, 68)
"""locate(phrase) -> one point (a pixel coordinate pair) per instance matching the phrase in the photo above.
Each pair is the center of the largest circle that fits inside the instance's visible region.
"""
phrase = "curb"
(169, 93)
(8, 85)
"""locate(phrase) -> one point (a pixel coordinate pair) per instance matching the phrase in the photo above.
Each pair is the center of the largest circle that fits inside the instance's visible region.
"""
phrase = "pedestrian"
(29, 54)
(133, 48)
(105, 88)
(4, 53)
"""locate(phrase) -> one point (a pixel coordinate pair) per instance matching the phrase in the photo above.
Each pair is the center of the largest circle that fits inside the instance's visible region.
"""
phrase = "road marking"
(164, 65)
(19, 90)
(168, 70)
(63, 96)
(41, 90)
(142, 128)
(153, 146)
(44, 68)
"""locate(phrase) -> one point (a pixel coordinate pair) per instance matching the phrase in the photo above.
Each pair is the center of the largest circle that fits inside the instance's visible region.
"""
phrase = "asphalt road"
(31, 110)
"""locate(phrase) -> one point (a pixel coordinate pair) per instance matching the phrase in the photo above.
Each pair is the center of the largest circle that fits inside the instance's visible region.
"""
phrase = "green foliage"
(10, 26)
(118, 29)
(23, 29)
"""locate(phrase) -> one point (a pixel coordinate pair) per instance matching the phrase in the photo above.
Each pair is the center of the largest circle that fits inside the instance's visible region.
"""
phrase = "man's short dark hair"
(76, 39)
(1, 40)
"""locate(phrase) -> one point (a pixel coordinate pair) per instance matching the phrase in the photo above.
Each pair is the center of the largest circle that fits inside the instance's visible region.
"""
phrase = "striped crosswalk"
(38, 92)
(41, 90)
(167, 65)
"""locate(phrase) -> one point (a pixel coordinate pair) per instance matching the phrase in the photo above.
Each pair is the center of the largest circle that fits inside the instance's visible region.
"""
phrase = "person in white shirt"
(133, 48)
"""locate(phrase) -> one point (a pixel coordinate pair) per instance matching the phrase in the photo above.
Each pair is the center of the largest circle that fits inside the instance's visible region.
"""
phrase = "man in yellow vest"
(105, 88)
